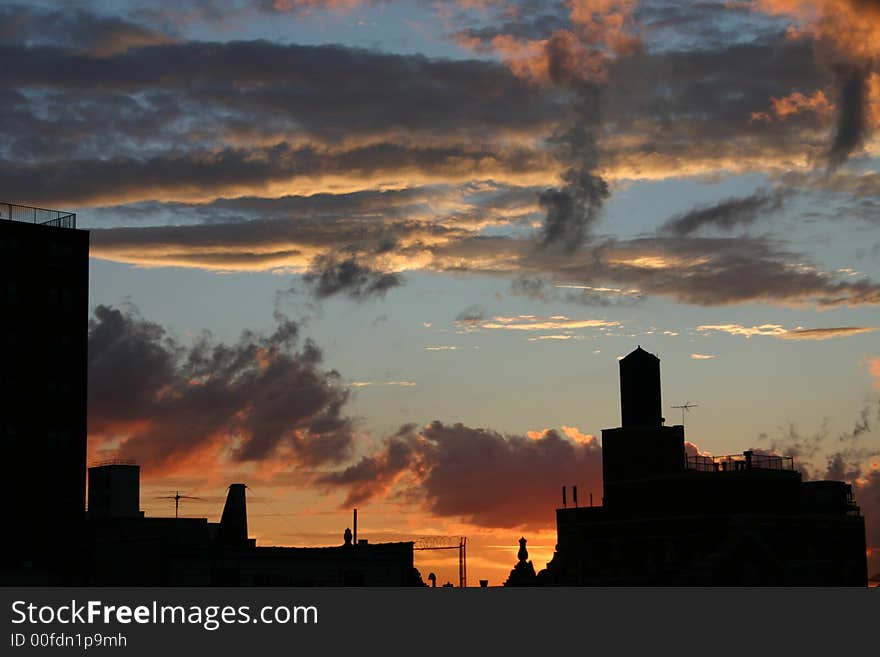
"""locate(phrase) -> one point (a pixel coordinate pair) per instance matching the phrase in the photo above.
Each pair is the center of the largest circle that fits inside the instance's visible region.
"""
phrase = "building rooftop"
(31, 215)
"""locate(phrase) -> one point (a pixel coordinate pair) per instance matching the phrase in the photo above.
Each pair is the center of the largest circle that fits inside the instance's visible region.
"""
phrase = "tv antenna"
(177, 497)
(687, 406)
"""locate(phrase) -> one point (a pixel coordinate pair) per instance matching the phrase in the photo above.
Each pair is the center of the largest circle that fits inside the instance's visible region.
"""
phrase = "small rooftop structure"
(748, 460)
(32, 215)
(114, 490)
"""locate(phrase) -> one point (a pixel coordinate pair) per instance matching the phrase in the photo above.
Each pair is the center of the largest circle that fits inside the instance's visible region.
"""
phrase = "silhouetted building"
(114, 490)
(45, 535)
(130, 550)
(674, 519)
(44, 278)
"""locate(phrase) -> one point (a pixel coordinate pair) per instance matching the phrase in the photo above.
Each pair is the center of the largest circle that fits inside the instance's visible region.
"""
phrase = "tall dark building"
(44, 278)
(676, 518)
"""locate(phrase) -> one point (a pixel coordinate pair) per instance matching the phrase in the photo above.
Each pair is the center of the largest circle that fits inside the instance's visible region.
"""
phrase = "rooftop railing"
(106, 462)
(31, 215)
(738, 462)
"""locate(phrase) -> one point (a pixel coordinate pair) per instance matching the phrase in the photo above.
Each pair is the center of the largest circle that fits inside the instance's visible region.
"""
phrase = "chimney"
(233, 522)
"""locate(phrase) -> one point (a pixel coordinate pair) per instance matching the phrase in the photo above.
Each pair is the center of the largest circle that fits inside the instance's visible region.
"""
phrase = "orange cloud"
(795, 103)
(537, 323)
(851, 27)
(778, 331)
(601, 30)
(574, 434)
(874, 369)
(873, 85)
(606, 22)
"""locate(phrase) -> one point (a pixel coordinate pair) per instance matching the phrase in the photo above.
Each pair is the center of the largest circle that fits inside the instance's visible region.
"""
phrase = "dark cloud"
(719, 271)
(330, 92)
(539, 22)
(471, 314)
(688, 110)
(265, 244)
(548, 291)
(259, 398)
(725, 215)
(77, 29)
(475, 474)
(852, 124)
(823, 454)
(209, 174)
(329, 276)
(85, 130)
(573, 209)
(695, 270)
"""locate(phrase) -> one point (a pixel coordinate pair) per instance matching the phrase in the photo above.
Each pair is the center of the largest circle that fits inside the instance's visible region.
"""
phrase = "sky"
(386, 254)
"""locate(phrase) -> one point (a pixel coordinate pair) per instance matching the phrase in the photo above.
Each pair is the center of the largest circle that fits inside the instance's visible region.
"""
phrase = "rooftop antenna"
(687, 406)
(177, 497)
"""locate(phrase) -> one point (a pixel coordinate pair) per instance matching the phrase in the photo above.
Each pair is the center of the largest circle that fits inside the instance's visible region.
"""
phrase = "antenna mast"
(177, 497)
(687, 406)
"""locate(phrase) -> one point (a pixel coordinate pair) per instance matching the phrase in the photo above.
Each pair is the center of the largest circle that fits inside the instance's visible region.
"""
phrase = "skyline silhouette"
(384, 254)
(669, 513)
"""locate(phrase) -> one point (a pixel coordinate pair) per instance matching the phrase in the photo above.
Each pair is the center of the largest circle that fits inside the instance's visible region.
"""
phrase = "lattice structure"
(447, 543)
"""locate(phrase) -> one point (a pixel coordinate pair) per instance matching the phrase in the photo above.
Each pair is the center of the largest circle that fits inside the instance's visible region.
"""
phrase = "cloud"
(725, 215)
(76, 28)
(852, 117)
(364, 384)
(266, 163)
(573, 59)
(471, 315)
(476, 474)
(537, 323)
(874, 369)
(203, 174)
(234, 102)
(777, 331)
(328, 276)
(702, 356)
(718, 271)
(694, 270)
(848, 40)
(796, 103)
(443, 347)
(825, 333)
(171, 406)
(545, 290)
